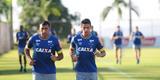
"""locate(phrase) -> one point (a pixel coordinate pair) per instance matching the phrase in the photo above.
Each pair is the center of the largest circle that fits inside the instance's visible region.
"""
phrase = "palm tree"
(118, 4)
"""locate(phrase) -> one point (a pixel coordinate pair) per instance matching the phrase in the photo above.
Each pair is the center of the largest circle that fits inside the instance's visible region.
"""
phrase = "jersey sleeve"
(58, 47)
(114, 34)
(73, 43)
(99, 45)
(30, 42)
(17, 36)
(141, 34)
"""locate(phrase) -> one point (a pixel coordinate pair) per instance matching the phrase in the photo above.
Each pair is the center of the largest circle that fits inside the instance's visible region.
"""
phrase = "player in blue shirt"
(71, 35)
(22, 37)
(45, 46)
(85, 45)
(117, 38)
(137, 38)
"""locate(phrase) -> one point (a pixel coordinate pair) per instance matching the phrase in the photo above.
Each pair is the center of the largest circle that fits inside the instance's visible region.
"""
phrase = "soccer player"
(22, 37)
(117, 38)
(71, 35)
(45, 46)
(85, 45)
(93, 32)
(137, 38)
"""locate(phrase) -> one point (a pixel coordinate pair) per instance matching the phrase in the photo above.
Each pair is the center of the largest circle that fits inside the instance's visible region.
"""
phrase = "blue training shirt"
(118, 34)
(22, 38)
(85, 49)
(42, 53)
(137, 38)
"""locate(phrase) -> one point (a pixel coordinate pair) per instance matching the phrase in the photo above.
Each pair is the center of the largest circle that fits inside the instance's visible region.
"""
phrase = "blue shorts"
(118, 46)
(20, 51)
(39, 76)
(86, 76)
(136, 46)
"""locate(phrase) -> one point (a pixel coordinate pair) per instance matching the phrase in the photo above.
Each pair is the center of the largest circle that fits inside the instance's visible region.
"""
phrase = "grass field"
(149, 69)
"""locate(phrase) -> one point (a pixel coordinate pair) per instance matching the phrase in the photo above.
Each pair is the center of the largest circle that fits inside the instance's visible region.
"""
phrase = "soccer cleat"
(138, 61)
(21, 68)
(117, 61)
(25, 70)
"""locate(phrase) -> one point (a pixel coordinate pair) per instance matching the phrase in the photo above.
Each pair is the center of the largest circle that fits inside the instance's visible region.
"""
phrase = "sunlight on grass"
(108, 70)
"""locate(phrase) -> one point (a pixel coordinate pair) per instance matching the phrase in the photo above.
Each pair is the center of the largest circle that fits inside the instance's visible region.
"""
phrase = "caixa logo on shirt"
(43, 50)
(85, 49)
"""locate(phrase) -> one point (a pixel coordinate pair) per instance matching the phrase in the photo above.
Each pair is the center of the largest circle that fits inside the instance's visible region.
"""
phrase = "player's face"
(118, 28)
(44, 30)
(86, 28)
(136, 28)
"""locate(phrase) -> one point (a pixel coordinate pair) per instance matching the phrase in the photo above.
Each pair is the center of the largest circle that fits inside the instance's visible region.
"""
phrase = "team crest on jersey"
(50, 43)
(91, 41)
(37, 42)
(79, 39)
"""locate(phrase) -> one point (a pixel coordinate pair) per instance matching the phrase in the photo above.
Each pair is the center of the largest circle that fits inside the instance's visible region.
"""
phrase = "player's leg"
(120, 55)
(138, 55)
(20, 62)
(20, 59)
(117, 56)
(25, 62)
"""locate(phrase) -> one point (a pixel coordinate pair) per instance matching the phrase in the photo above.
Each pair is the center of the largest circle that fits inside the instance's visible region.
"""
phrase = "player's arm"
(58, 57)
(114, 37)
(72, 54)
(72, 50)
(27, 52)
(17, 37)
(100, 53)
(59, 52)
(31, 61)
(27, 35)
(142, 37)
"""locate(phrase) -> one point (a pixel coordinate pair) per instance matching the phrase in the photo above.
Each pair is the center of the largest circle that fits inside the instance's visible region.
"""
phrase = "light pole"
(130, 17)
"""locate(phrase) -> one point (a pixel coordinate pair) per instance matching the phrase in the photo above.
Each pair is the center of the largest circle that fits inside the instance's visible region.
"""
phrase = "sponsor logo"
(85, 49)
(43, 50)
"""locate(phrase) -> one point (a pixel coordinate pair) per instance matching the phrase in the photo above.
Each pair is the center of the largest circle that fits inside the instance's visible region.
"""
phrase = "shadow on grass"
(59, 70)
(16, 71)
(13, 72)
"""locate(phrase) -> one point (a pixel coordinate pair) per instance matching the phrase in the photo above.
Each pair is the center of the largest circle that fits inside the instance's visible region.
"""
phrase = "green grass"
(149, 69)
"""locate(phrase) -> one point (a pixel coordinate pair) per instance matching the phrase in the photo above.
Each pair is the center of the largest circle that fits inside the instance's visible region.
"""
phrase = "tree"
(118, 4)
(36, 11)
(6, 11)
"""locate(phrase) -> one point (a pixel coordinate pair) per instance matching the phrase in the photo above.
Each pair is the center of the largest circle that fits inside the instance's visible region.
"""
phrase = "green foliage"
(36, 11)
(5, 9)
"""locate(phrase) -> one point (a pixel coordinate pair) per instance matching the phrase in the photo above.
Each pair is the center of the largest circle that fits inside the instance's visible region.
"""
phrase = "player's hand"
(53, 58)
(74, 58)
(32, 62)
(116, 37)
(100, 54)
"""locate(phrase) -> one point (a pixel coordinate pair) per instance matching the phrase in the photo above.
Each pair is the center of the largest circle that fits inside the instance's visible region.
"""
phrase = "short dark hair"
(45, 23)
(86, 21)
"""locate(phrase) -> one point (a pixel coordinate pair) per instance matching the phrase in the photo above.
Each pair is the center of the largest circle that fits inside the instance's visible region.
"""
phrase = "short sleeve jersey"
(85, 49)
(118, 34)
(22, 38)
(42, 50)
(137, 38)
